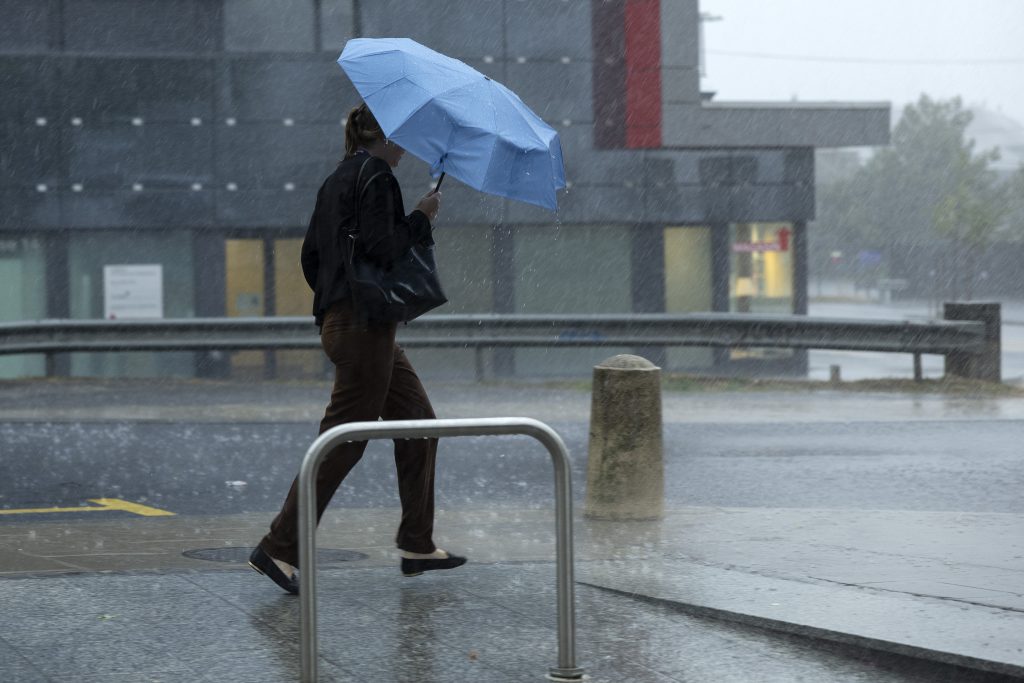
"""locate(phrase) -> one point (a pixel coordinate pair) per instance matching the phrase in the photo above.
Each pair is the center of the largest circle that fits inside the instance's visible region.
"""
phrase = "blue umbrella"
(456, 119)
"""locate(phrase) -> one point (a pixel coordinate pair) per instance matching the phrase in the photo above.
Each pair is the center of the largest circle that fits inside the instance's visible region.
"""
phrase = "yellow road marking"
(105, 504)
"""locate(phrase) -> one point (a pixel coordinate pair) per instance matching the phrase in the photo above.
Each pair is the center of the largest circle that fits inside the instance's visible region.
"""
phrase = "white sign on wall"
(133, 291)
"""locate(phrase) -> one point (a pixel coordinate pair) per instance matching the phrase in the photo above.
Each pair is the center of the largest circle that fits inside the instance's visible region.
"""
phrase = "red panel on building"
(627, 73)
(643, 73)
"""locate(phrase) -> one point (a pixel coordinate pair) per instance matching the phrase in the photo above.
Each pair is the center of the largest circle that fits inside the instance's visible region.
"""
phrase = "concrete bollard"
(625, 468)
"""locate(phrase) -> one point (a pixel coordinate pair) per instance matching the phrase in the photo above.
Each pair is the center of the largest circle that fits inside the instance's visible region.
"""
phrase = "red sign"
(754, 247)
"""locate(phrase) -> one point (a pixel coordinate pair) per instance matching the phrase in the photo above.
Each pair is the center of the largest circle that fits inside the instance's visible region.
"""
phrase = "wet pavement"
(489, 623)
(710, 593)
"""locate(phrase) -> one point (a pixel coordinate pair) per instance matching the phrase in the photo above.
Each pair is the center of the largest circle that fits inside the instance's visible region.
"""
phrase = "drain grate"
(240, 555)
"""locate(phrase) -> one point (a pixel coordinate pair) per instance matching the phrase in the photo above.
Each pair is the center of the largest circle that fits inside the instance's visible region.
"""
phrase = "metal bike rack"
(422, 429)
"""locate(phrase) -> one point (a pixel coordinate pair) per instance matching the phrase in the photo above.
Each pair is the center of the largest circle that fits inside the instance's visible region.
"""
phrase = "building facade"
(193, 135)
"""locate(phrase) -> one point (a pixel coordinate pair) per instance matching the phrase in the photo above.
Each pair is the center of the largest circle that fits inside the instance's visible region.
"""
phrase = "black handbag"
(397, 292)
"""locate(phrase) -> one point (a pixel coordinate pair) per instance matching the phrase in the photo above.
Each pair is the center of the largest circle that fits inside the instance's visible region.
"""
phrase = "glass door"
(292, 297)
(264, 278)
(245, 297)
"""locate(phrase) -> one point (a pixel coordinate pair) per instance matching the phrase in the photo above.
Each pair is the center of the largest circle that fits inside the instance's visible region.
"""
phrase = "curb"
(827, 635)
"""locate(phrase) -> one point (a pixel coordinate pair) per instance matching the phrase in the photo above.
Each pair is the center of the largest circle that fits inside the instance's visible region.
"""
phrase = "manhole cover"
(240, 555)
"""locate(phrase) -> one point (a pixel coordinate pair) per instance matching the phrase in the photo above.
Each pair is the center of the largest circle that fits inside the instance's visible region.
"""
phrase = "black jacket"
(385, 232)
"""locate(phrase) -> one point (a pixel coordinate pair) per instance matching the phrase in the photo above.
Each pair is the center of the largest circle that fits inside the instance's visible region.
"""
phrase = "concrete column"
(210, 279)
(58, 294)
(986, 365)
(503, 274)
(647, 278)
(625, 468)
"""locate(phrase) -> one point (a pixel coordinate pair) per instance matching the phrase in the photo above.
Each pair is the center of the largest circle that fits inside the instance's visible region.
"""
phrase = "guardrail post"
(566, 671)
(481, 373)
(987, 364)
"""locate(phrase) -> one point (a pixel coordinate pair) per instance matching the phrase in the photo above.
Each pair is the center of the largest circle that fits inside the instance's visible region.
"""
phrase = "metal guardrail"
(499, 330)
(420, 429)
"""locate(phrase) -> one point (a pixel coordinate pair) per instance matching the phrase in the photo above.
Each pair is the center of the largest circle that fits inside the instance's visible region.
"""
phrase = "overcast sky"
(961, 39)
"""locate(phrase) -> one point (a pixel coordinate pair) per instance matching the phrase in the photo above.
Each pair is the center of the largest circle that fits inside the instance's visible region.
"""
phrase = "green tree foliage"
(930, 182)
(1015, 205)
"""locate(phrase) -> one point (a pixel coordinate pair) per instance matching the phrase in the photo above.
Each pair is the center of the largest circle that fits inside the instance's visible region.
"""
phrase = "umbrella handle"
(438, 186)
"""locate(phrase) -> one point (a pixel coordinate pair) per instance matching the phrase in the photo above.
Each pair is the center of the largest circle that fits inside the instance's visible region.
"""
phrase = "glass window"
(466, 268)
(688, 287)
(464, 264)
(89, 252)
(576, 269)
(245, 297)
(761, 275)
(293, 297)
(23, 281)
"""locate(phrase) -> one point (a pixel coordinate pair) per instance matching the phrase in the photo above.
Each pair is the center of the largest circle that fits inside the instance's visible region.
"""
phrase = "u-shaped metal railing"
(420, 429)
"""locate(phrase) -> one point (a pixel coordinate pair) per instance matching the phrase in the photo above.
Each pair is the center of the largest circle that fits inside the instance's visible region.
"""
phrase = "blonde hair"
(361, 129)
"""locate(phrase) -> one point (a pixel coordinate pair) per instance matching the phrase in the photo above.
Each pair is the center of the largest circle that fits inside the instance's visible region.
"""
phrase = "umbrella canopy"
(456, 119)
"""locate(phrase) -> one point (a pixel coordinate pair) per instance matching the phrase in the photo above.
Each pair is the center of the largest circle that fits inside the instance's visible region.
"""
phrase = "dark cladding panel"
(30, 90)
(147, 209)
(458, 28)
(800, 165)
(268, 25)
(265, 209)
(26, 25)
(584, 165)
(555, 91)
(337, 24)
(141, 26)
(609, 41)
(156, 155)
(107, 90)
(30, 156)
(306, 89)
(771, 166)
(267, 156)
(549, 30)
(26, 209)
(674, 204)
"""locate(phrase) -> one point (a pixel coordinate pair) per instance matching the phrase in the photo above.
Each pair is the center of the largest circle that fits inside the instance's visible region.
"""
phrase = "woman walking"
(373, 378)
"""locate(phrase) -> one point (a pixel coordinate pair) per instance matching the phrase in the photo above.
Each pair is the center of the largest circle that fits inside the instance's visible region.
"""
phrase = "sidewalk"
(707, 594)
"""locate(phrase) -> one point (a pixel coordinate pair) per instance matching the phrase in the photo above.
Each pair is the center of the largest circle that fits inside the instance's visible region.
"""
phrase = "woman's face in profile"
(392, 154)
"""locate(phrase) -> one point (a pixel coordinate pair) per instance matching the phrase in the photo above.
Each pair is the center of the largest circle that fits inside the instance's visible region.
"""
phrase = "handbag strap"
(353, 233)
(358, 192)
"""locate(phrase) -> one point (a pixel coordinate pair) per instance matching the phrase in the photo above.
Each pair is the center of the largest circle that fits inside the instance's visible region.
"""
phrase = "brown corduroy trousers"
(372, 379)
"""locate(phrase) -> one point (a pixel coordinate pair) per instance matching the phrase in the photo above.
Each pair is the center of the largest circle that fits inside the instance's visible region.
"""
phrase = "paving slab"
(925, 627)
(482, 622)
